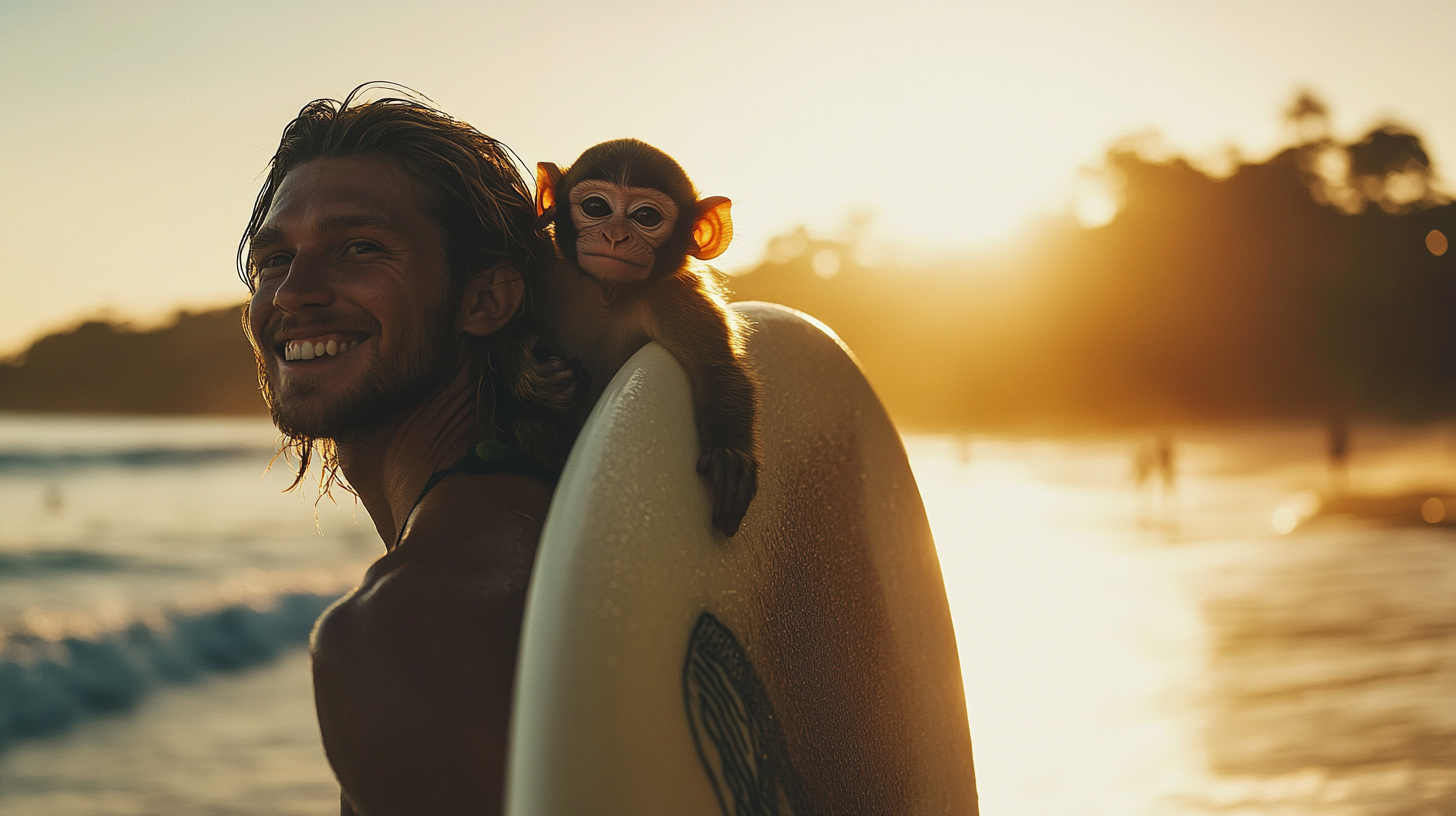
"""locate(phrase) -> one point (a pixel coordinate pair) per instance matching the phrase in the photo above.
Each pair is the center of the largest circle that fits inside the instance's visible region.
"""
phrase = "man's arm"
(413, 671)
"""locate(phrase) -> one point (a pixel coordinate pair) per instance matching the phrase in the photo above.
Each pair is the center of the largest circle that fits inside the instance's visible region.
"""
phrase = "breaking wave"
(49, 684)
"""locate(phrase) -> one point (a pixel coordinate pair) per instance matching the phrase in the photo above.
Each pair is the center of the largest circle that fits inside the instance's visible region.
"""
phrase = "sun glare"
(826, 263)
(1097, 197)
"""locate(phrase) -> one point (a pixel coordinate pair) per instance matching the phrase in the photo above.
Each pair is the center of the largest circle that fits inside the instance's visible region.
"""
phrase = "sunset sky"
(133, 134)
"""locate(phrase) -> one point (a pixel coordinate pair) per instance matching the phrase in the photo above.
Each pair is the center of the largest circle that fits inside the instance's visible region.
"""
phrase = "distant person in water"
(1338, 432)
(391, 256)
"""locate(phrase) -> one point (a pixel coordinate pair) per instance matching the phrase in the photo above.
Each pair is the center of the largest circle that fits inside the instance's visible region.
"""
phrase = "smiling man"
(392, 255)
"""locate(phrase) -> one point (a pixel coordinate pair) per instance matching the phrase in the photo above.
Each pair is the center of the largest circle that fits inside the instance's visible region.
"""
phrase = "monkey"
(626, 221)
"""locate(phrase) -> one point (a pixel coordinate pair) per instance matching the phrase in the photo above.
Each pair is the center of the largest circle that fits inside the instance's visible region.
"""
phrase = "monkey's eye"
(647, 216)
(596, 207)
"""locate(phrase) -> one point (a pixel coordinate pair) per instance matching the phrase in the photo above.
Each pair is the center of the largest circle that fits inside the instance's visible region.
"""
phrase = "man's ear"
(491, 299)
(713, 229)
(548, 177)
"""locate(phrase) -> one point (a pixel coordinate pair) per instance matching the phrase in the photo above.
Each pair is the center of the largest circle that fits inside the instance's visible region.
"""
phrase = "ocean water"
(157, 589)
(1222, 642)
(1229, 643)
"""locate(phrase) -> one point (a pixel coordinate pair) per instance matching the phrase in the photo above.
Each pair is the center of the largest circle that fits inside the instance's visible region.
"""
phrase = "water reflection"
(1217, 664)
(1332, 673)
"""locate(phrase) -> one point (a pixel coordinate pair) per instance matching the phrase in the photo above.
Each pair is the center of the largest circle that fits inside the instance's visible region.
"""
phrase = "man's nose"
(308, 283)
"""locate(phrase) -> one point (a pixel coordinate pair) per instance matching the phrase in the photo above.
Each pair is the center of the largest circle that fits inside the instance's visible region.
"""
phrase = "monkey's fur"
(604, 304)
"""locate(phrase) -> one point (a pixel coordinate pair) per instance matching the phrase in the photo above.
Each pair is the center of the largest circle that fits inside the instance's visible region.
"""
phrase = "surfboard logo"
(738, 738)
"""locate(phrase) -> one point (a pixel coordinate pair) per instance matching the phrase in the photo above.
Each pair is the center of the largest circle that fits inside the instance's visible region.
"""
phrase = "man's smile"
(323, 345)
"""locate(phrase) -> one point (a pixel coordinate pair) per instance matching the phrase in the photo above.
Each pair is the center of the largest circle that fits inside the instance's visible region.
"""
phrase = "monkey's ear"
(713, 229)
(548, 176)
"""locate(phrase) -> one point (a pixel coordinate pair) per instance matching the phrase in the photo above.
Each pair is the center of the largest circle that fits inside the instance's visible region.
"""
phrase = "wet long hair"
(482, 206)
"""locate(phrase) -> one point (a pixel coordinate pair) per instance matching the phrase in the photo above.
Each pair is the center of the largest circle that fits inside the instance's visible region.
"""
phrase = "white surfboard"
(805, 666)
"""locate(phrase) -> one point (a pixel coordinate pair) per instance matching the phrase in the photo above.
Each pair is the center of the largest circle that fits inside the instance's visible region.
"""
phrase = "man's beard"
(414, 372)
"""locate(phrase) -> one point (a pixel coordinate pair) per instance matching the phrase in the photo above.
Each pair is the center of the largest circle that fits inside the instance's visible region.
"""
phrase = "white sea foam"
(49, 683)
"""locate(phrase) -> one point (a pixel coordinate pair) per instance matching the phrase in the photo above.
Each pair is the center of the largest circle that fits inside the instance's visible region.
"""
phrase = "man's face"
(350, 315)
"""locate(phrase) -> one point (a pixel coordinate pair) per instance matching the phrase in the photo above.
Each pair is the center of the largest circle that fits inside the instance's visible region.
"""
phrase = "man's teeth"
(305, 350)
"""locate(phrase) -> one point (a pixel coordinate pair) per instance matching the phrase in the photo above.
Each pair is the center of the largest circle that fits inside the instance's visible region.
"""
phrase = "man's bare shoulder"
(471, 541)
(416, 665)
(486, 521)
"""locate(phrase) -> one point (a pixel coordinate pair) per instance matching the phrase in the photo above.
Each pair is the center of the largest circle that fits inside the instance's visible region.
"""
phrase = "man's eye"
(275, 260)
(596, 207)
(647, 216)
(362, 248)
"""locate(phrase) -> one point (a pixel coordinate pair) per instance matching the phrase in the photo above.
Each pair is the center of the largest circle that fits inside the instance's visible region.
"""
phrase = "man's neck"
(388, 466)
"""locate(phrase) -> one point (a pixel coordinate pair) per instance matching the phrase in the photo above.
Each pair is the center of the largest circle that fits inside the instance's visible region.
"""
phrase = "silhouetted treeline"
(201, 364)
(1306, 286)
(1298, 287)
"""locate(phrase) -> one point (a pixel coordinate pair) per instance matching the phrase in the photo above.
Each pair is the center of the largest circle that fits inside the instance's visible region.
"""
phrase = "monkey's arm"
(687, 317)
(552, 394)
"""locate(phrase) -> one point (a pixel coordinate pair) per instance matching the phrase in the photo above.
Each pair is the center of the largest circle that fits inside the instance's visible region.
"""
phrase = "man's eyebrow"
(335, 223)
(266, 236)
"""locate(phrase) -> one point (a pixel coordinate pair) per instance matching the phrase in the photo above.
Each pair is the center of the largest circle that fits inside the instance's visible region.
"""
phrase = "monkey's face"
(620, 230)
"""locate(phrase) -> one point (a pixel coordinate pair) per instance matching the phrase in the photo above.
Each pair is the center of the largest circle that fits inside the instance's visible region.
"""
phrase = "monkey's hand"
(734, 475)
(561, 383)
(564, 377)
